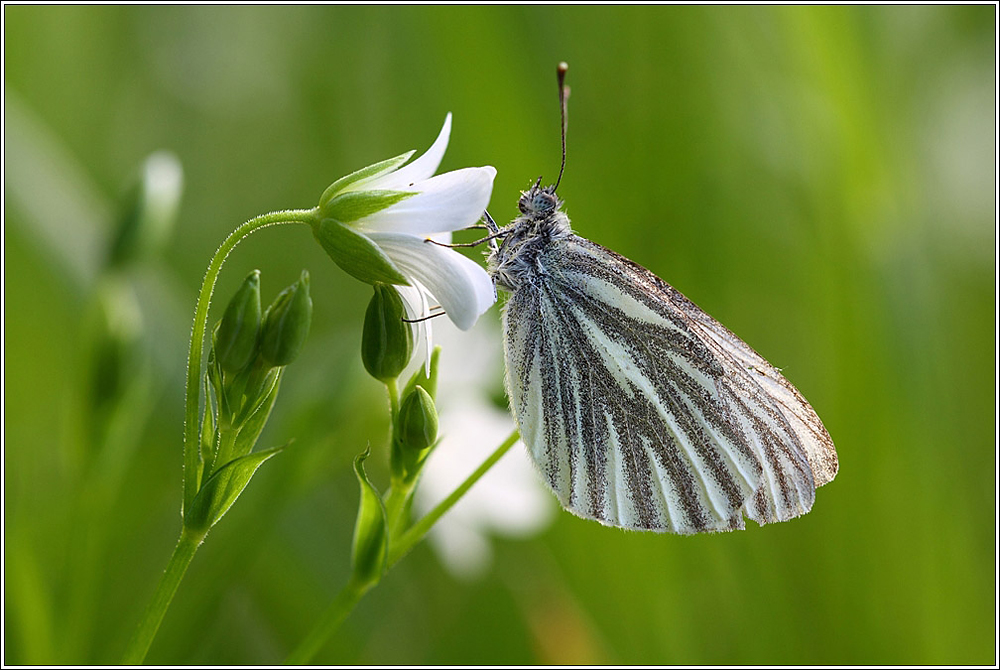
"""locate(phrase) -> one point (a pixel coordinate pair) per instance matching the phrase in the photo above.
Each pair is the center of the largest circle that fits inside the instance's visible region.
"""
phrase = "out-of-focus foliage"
(819, 179)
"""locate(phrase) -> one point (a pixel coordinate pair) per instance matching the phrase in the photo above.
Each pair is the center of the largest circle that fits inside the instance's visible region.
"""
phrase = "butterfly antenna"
(563, 96)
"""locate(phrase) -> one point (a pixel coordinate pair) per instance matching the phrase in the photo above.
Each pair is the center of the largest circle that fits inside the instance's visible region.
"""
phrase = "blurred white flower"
(375, 224)
(510, 500)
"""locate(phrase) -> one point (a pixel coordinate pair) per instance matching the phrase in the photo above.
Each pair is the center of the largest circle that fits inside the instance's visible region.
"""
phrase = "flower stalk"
(192, 395)
(141, 640)
(220, 489)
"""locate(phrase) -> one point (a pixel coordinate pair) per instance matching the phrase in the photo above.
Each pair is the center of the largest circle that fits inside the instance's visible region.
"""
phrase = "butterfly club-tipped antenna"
(561, 70)
(538, 201)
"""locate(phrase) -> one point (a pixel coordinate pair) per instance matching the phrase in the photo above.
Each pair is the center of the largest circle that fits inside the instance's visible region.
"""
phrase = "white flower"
(376, 222)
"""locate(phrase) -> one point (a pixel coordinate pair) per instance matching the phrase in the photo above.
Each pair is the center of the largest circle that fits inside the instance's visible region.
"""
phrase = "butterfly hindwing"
(639, 410)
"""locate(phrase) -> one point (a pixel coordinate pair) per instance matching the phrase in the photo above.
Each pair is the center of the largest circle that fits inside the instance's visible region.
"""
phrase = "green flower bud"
(286, 323)
(418, 420)
(387, 341)
(236, 337)
(117, 356)
(149, 211)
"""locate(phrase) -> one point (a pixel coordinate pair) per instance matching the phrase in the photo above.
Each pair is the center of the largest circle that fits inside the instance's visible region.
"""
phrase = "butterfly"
(639, 409)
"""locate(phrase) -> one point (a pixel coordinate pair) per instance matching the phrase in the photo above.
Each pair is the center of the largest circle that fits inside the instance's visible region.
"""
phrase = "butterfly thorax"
(518, 258)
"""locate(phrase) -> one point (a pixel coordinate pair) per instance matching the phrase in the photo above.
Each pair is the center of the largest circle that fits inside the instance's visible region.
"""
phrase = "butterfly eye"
(543, 202)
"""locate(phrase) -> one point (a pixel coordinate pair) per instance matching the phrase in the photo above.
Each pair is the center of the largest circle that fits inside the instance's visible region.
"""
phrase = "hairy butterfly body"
(640, 410)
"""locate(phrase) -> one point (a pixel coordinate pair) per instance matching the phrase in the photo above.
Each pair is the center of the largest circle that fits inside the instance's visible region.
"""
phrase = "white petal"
(420, 169)
(447, 202)
(415, 299)
(459, 284)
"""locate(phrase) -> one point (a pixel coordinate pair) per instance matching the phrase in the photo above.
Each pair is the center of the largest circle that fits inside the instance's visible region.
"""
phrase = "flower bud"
(286, 323)
(418, 420)
(387, 340)
(117, 335)
(236, 337)
(149, 211)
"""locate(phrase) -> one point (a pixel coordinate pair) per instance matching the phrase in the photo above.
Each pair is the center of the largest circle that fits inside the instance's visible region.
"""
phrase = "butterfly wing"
(643, 412)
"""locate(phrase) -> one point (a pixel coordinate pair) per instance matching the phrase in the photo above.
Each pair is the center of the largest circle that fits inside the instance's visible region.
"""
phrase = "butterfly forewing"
(643, 412)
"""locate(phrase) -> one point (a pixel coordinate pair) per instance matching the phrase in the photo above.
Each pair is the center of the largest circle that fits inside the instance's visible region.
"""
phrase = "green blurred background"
(819, 179)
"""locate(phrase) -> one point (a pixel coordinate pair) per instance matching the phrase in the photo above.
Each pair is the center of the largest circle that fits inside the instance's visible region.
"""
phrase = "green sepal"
(370, 546)
(386, 340)
(221, 490)
(423, 379)
(418, 420)
(286, 323)
(370, 172)
(252, 424)
(235, 339)
(354, 205)
(356, 255)
(208, 433)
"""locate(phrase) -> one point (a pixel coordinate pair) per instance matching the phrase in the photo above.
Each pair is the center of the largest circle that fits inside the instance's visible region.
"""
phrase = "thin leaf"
(370, 547)
(222, 489)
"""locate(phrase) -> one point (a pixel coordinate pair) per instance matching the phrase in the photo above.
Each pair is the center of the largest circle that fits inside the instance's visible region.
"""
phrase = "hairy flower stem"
(192, 391)
(349, 596)
(190, 541)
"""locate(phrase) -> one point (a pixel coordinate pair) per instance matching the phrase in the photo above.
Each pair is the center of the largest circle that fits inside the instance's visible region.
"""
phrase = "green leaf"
(370, 548)
(357, 255)
(222, 489)
(370, 172)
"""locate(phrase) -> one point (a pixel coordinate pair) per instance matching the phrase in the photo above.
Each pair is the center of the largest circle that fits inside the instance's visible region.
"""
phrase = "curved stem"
(192, 391)
(352, 592)
(190, 541)
(138, 646)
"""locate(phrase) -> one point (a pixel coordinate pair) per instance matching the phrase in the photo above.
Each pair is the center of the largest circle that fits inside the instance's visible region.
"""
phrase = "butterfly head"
(539, 201)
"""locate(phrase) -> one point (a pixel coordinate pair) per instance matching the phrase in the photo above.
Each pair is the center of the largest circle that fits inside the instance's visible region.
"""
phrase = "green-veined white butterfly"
(640, 410)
